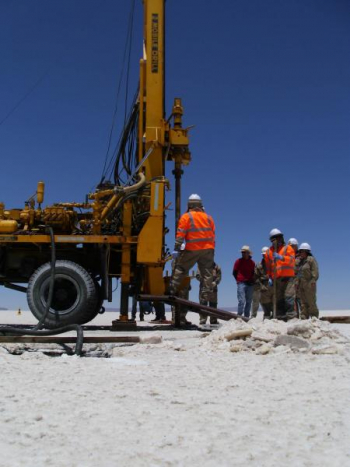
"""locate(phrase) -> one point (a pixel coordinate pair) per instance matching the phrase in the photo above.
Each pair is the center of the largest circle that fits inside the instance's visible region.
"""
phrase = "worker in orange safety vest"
(280, 267)
(196, 229)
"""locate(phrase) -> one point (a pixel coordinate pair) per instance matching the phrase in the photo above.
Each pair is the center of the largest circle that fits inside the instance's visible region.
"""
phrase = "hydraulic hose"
(40, 324)
(117, 199)
(37, 330)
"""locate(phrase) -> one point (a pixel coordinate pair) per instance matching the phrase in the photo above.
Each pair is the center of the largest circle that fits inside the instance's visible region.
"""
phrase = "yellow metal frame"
(77, 239)
(167, 143)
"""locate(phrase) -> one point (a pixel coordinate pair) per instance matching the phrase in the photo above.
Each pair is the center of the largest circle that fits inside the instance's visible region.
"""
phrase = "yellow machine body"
(140, 246)
(8, 226)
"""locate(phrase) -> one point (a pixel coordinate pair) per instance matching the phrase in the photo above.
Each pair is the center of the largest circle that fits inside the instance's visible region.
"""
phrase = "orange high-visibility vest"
(197, 229)
(284, 267)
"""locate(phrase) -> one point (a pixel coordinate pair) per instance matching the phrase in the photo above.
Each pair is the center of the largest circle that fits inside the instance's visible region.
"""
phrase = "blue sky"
(266, 84)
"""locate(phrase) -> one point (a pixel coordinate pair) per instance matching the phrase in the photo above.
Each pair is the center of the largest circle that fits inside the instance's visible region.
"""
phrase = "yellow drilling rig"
(119, 230)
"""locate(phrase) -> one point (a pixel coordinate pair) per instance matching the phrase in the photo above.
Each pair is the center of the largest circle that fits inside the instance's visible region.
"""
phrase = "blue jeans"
(245, 297)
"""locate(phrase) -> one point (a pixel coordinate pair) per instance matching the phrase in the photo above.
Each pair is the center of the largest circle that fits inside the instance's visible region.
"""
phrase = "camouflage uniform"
(262, 292)
(297, 303)
(307, 275)
(212, 299)
(186, 260)
(183, 292)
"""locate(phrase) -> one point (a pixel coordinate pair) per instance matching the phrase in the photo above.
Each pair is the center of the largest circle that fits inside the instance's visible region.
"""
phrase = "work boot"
(213, 321)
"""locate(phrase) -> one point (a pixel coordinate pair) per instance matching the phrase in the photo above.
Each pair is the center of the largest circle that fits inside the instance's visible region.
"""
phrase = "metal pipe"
(192, 306)
(177, 174)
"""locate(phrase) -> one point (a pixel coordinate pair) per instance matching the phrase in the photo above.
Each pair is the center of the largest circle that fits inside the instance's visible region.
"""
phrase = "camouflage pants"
(308, 300)
(285, 296)
(297, 301)
(182, 293)
(256, 301)
(266, 300)
(203, 316)
(211, 301)
(186, 260)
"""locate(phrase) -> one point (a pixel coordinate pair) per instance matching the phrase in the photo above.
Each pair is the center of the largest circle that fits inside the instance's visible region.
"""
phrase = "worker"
(183, 292)
(159, 309)
(306, 278)
(261, 292)
(243, 272)
(280, 264)
(213, 298)
(145, 309)
(197, 230)
(293, 242)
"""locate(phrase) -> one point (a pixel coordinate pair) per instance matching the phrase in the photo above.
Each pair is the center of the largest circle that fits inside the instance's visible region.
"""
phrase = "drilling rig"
(118, 231)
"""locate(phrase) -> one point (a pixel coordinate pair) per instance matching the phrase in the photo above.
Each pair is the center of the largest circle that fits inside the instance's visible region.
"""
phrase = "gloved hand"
(175, 254)
(277, 256)
(270, 282)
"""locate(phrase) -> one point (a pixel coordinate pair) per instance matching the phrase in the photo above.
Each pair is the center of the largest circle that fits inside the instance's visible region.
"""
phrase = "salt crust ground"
(186, 401)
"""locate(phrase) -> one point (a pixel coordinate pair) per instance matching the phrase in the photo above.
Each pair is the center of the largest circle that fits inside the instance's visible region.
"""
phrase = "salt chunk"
(300, 328)
(263, 350)
(236, 348)
(262, 336)
(238, 334)
(151, 340)
(325, 350)
(291, 341)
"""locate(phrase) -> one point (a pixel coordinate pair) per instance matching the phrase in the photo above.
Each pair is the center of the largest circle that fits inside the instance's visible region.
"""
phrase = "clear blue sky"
(266, 84)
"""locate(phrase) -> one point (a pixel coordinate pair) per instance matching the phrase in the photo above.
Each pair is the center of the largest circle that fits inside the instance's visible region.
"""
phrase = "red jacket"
(243, 270)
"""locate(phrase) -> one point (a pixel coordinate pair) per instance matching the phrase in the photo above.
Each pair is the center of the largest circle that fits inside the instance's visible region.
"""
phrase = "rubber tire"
(85, 304)
(90, 316)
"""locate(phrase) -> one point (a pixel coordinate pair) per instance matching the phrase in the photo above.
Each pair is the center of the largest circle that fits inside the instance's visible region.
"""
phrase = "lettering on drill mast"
(155, 40)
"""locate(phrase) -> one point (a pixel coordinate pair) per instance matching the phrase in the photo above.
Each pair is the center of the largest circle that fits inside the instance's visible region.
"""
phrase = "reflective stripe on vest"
(201, 229)
(197, 229)
(206, 239)
(282, 270)
(193, 226)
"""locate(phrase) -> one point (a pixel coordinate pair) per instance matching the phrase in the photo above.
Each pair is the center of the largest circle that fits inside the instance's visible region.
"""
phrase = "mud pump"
(118, 231)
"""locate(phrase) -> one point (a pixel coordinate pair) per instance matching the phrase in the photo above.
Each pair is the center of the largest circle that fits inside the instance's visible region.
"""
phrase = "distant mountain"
(3, 309)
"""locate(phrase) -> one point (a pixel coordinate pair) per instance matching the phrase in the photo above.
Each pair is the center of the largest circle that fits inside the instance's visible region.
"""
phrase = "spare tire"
(75, 296)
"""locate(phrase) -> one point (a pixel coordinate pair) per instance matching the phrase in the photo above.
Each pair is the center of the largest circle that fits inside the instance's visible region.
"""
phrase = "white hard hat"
(246, 248)
(264, 250)
(275, 232)
(194, 201)
(194, 196)
(305, 246)
(293, 241)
